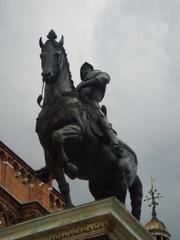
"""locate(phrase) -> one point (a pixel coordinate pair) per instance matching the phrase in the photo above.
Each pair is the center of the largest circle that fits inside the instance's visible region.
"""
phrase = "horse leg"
(56, 169)
(136, 195)
(99, 190)
(108, 187)
(58, 137)
(63, 187)
(121, 185)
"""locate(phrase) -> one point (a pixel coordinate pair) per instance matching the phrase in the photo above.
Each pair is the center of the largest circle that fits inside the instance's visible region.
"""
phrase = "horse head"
(51, 57)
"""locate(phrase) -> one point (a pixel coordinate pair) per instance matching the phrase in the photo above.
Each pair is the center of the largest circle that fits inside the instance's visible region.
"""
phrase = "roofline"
(16, 156)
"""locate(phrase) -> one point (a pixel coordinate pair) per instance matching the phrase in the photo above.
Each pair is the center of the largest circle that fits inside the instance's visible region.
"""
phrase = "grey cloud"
(136, 42)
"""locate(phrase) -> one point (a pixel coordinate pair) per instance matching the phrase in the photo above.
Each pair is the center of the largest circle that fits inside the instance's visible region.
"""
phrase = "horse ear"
(61, 42)
(41, 42)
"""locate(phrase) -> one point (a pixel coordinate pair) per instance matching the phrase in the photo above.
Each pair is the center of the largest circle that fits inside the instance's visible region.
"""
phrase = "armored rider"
(91, 91)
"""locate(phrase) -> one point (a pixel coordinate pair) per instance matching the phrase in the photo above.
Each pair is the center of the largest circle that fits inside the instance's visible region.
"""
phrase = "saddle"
(93, 125)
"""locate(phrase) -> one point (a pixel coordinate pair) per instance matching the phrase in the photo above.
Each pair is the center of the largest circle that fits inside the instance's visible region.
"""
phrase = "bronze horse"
(70, 144)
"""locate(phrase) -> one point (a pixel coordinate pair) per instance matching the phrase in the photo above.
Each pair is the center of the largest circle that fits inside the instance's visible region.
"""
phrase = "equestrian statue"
(75, 134)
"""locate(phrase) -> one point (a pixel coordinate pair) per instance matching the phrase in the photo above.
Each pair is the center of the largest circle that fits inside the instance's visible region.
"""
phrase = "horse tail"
(136, 194)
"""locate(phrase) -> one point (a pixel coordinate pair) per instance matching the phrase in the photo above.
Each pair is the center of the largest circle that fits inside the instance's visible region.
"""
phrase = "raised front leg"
(58, 137)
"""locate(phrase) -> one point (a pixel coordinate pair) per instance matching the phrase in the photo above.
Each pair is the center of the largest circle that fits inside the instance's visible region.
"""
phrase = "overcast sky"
(138, 43)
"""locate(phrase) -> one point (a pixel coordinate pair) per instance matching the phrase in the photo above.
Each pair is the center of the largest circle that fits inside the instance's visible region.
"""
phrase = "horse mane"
(68, 67)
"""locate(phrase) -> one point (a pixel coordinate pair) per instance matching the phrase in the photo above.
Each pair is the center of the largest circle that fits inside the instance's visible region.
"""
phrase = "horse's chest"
(48, 121)
(55, 117)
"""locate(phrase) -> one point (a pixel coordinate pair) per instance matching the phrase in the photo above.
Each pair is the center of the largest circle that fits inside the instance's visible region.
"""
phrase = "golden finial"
(154, 197)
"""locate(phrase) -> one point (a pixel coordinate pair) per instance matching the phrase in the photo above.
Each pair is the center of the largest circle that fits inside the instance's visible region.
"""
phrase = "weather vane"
(154, 198)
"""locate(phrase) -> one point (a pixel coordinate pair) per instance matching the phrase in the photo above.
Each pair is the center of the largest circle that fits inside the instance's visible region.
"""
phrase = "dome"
(157, 229)
(155, 224)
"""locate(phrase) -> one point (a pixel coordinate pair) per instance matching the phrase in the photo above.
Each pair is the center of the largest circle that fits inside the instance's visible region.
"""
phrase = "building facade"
(22, 195)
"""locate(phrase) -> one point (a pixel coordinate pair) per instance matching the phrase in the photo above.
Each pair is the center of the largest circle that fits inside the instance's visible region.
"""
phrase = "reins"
(40, 97)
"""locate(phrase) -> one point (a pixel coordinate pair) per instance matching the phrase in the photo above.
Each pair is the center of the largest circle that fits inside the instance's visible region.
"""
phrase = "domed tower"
(155, 226)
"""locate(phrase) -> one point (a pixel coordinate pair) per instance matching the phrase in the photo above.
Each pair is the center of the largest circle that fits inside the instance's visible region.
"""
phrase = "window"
(58, 203)
(51, 200)
(3, 218)
(16, 167)
(29, 177)
(23, 173)
(2, 156)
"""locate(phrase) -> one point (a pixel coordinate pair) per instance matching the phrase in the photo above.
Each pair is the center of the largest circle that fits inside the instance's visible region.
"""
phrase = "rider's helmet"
(85, 68)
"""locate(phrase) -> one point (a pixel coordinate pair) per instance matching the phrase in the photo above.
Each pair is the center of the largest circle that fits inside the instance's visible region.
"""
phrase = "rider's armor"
(90, 96)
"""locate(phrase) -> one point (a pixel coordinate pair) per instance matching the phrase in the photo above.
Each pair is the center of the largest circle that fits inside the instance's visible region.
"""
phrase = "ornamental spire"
(154, 197)
(52, 35)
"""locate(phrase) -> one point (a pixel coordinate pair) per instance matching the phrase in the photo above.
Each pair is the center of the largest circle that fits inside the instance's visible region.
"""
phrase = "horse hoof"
(71, 170)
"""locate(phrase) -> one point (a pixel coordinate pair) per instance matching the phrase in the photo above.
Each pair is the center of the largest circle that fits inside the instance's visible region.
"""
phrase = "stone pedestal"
(101, 220)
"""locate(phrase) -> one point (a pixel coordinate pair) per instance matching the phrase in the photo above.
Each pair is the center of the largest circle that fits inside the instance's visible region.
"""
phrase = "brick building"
(22, 195)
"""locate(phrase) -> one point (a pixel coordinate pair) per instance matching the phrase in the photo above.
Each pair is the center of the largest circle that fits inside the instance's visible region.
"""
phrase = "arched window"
(51, 200)
(3, 218)
(1, 208)
(23, 173)
(10, 160)
(12, 219)
(158, 237)
(2, 156)
(58, 203)
(16, 167)
(29, 177)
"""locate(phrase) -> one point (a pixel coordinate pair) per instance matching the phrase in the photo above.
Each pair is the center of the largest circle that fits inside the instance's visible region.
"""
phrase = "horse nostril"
(46, 74)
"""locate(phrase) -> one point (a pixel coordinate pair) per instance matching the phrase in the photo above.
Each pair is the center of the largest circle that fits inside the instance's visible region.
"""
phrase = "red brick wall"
(14, 185)
(18, 179)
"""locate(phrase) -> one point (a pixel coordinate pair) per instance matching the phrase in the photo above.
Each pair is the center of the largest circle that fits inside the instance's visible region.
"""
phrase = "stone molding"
(107, 218)
(78, 232)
